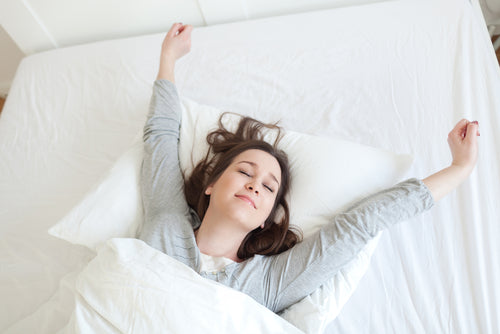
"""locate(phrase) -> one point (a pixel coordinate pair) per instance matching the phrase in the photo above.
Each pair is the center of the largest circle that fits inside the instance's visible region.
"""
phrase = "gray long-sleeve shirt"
(276, 281)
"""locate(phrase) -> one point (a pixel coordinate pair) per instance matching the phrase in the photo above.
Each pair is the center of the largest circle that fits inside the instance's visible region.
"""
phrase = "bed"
(393, 75)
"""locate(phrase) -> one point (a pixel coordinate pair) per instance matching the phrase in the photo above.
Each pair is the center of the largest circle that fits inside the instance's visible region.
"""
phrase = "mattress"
(394, 75)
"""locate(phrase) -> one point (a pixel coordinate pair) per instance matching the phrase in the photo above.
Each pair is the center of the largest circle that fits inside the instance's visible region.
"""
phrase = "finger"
(472, 132)
(175, 27)
(459, 130)
(461, 126)
(477, 123)
(186, 29)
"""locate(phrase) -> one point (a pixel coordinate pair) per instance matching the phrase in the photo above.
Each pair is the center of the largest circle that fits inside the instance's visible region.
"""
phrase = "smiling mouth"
(246, 199)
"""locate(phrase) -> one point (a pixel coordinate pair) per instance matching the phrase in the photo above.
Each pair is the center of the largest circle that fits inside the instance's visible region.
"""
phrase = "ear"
(208, 191)
(262, 226)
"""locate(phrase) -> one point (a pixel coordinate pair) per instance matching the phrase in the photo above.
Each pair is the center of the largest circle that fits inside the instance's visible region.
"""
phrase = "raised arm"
(161, 178)
(296, 273)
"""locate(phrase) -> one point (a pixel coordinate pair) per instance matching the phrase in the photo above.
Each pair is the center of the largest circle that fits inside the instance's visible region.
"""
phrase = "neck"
(217, 237)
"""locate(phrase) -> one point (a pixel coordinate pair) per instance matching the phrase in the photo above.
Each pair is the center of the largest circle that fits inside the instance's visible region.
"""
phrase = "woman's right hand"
(177, 42)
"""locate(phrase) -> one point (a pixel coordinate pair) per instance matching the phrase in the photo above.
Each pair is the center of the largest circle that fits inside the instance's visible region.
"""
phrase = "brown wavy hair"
(276, 236)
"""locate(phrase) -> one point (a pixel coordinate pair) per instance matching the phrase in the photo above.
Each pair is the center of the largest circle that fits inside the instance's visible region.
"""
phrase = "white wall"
(38, 25)
(10, 58)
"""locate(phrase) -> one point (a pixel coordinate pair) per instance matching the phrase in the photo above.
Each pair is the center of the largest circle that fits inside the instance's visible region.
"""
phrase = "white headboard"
(47, 24)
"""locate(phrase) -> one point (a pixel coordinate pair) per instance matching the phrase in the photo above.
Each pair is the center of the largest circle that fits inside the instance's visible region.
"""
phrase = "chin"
(247, 224)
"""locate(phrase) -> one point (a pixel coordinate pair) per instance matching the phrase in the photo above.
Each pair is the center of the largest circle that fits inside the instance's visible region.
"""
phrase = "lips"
(246, 199)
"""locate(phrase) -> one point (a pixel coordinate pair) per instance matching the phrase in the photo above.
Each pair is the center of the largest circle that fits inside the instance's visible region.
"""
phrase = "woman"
(230, 234)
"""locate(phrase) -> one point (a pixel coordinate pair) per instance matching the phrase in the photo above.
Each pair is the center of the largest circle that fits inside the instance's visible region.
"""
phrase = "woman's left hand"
(463, 144)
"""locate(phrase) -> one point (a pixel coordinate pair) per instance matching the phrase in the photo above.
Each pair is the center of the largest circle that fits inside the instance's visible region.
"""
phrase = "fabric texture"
(396, 75)
(130, 287)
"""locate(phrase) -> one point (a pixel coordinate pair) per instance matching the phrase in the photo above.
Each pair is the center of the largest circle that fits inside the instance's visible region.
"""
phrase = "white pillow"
(112, 208)
(327, 175)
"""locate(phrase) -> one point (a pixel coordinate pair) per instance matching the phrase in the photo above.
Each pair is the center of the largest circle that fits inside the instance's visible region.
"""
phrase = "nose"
(252, 188)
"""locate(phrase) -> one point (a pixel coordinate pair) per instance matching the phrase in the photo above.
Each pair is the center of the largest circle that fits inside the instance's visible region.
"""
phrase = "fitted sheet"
(395, 75)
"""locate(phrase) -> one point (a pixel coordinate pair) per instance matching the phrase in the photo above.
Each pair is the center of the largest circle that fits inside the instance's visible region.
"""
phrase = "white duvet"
(132, 288)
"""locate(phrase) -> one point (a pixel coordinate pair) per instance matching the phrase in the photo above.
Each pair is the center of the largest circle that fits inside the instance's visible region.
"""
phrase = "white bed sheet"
(395, 75)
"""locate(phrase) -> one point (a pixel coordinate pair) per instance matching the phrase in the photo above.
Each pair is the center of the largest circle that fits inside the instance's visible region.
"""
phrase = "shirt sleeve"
(162, 183)
(296, 273)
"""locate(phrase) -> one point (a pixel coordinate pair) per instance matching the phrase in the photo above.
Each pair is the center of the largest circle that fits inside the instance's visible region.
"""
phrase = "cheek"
(225, 182)
(270, 203)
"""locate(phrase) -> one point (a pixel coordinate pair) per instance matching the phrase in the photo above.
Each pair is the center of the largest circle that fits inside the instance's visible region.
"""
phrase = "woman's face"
(246, 191)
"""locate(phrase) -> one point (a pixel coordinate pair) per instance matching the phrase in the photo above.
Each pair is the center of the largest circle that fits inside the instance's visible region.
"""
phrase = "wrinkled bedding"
(130, 287)
(394, 75)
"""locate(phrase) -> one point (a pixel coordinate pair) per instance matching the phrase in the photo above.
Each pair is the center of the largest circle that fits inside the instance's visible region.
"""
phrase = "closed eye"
(244, 173)
(248, 175)
(268, 188)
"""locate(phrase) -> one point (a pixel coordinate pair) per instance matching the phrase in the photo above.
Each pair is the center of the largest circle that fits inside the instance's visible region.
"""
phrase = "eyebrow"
(253, 164)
